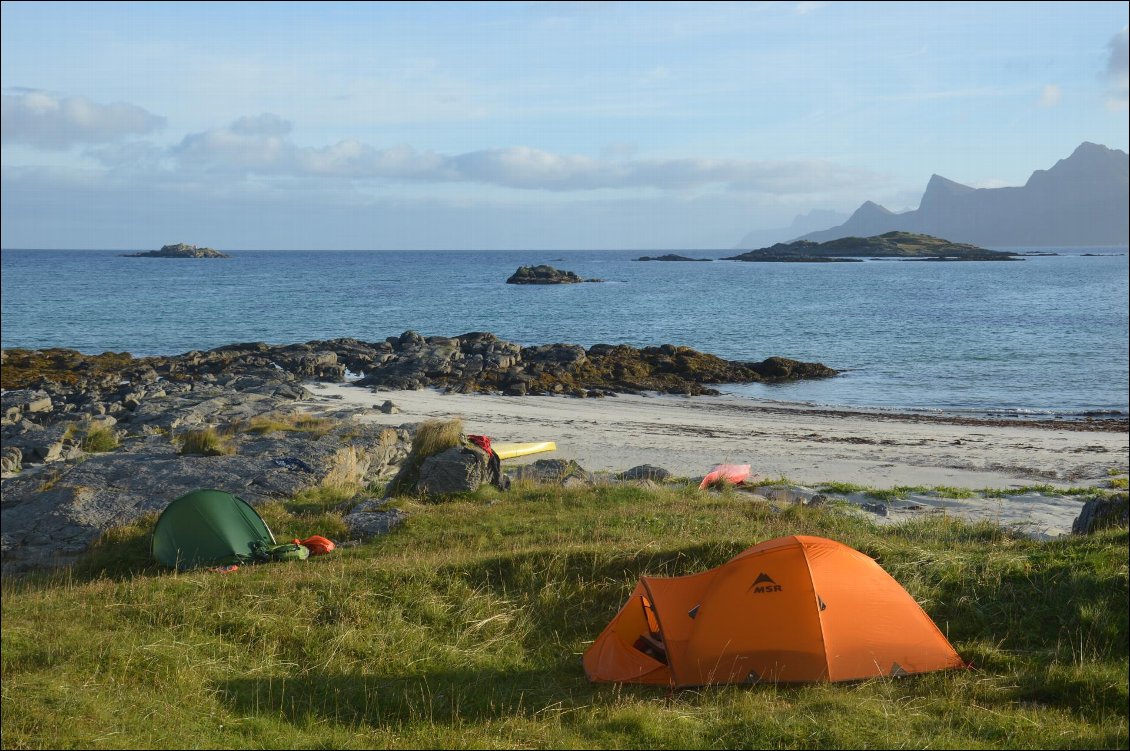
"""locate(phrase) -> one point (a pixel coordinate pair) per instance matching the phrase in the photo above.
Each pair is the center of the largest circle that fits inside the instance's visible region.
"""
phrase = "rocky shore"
(62, 488)
(94, 442)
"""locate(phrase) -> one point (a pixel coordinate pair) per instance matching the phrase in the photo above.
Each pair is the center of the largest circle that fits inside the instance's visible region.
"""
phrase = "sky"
(541, 125)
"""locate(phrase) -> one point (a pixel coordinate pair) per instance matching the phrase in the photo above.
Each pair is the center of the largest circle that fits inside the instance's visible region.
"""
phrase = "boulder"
(363, 525)
(555, 471)
(1101, 513)
(644, 472)
(544, 274)
(456, 470)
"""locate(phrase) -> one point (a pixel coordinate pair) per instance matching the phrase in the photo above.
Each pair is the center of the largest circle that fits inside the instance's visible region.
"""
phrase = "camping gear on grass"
(218, 530)
(209, 528)
(731, 473)
(317, 544)
(792, 609)
(514, 450)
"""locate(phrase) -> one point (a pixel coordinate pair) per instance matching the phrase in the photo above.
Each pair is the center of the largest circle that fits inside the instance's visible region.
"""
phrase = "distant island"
(180, 250)
(671, 257)
(545, 275)
(905, 245)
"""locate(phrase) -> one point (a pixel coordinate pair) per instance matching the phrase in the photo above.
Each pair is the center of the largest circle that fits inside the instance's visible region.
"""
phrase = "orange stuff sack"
(731, 473)
(317, 544)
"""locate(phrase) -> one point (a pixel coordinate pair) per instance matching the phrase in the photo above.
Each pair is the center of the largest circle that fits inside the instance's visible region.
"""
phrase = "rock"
(545, 275)
(1101, 513)
(366, 524)
(48, 517)
(788, 493)
(456, 470)
(389, 408)
(644, 472)
(876, 508)
(670, 257)
(180, 250)
(817, 500)
(10, 460)
(555, 471)
(20, 402)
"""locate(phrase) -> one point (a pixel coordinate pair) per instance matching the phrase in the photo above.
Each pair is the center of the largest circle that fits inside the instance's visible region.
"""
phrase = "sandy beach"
(689, 435)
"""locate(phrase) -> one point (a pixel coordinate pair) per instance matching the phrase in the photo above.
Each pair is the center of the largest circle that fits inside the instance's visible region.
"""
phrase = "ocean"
(1046, 336)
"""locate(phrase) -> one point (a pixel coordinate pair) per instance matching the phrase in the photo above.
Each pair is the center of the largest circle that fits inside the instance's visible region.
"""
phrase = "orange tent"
(793, 609)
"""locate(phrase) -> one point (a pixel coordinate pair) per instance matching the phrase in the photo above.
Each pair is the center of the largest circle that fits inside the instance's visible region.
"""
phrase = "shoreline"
(1113, 421)
(689, 435)
(804, 446)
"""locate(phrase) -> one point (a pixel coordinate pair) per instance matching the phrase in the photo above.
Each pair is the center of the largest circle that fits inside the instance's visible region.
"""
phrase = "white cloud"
(47, 121)
(262, 125)
(804, 8)
(1050, 95)
(1118, 70)
(243, 149)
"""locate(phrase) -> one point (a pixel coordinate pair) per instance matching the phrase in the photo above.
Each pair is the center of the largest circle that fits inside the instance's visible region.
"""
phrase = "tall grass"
(205, 442)
(432, 437)
(435, 436)
(99, 439)
(465, 629)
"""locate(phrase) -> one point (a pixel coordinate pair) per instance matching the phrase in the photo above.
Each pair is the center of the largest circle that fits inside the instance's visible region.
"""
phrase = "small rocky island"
(545, 275)
(904, 245)
(671, 257)
(180, 250)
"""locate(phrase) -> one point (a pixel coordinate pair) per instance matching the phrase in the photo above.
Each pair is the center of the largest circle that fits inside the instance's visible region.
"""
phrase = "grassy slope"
(465, 629)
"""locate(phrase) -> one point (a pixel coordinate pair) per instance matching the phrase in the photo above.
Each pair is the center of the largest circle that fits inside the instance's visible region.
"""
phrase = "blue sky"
(528, 125)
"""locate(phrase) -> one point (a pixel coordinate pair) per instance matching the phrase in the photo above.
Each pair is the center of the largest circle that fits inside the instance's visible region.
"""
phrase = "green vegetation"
(432, 437)
(464, 629)
(205, 442)
(901, 491)
(24, 367)
(99, 439)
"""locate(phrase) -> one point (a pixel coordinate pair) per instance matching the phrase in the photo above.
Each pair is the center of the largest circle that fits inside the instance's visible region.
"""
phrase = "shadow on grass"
(439, 697)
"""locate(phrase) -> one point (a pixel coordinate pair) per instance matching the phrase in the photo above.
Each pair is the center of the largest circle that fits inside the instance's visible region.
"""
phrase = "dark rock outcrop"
(671, 257)
(545, 275)
(1101, 513)
(902, 245)
(180, 250)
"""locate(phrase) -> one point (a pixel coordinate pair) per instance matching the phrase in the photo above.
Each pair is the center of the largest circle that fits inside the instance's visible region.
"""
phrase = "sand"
(809, 446)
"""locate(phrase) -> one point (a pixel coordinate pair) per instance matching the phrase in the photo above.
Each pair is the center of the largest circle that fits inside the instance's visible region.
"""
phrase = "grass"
(205, 442)
(436, 436)
(99, 439)
(901, 491)
(465, 628)
(432, 437)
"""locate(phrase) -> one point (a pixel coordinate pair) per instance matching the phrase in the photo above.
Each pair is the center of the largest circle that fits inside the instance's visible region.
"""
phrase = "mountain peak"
(870, 208)
(1089, 161)
(1081, 200)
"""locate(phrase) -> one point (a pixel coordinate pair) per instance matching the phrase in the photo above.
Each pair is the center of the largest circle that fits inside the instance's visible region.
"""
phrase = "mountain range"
(1082, 200)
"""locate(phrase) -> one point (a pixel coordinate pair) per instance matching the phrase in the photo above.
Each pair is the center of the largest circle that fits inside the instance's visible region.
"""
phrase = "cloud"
(46, 121)
(258, 146)
(1117, 71)
(262, 125)
(804, 8)
(1050, 95)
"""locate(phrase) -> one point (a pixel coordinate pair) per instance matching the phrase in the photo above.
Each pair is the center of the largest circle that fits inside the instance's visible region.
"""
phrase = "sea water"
(1047, 335)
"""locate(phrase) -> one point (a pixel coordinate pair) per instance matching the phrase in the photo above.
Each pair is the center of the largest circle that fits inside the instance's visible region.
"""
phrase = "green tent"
(208, 528)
